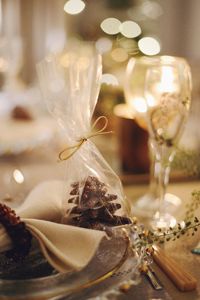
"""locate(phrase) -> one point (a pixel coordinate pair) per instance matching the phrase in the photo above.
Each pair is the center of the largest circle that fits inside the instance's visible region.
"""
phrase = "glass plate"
(36, 279)
(20, 136)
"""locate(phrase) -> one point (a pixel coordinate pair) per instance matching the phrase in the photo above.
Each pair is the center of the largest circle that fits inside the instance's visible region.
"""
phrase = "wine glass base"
(147, 205)
(163, 221)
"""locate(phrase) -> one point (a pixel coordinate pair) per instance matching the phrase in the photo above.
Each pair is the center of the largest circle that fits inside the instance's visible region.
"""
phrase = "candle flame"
(139, 105)
(167, 84)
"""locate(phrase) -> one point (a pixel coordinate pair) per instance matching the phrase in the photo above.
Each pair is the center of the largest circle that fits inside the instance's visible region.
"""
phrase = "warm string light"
(74, 7)
(111, 26)
(149, 46)
(129, 29)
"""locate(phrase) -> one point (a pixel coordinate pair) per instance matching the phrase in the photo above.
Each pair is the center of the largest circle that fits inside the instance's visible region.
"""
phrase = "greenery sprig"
(187, 161)
(171, 234)
(193, 205)
(145, 239)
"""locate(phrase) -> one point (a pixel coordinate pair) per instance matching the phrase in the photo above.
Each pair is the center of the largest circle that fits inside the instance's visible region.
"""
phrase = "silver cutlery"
(152, 277)
(196, 251)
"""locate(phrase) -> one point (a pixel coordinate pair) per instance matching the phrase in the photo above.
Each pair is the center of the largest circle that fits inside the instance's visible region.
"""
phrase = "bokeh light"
(124, 111)
(150, 100)
(18, 176)
(55, 40)
(151, 9)
(119, 55)
(83, 63)
(111, 26)
(67, 58)
(130, 45)
(3, 64)
(139, 104)
(109, 79)
(130, 29)
(103, 45)
(57, 85)
(74, 7)
(149, 46)
(168, 80)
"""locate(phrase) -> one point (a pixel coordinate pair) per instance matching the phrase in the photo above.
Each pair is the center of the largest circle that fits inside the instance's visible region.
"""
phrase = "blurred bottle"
(133, 141)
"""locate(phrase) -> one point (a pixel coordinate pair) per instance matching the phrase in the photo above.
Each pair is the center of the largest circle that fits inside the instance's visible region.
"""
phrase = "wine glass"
(167, 92)
(11, 61)
(135, 95)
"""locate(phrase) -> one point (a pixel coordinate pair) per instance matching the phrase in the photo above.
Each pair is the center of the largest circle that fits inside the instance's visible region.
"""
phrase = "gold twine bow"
(69, 151)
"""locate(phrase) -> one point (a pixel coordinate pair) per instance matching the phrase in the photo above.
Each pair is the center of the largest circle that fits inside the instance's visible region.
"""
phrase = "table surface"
(181, 249)
(37, 168)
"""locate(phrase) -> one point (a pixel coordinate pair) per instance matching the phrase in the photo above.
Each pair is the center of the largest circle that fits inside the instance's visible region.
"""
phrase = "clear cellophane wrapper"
(93, 194)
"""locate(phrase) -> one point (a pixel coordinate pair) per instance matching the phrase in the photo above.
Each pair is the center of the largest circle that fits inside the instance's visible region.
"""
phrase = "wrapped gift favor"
(93, 195)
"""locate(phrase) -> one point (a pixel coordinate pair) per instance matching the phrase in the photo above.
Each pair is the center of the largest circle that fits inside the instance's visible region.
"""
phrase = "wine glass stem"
(163, 158)
(153, 183)
(163, 179)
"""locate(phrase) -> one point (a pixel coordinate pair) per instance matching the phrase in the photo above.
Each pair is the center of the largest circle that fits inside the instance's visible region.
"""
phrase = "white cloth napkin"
(65, 247)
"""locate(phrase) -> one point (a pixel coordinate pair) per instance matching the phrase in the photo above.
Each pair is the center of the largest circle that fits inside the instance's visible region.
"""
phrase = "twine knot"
(69, 151)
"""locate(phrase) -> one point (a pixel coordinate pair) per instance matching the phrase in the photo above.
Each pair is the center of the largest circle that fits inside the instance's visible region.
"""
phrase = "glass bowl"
(34, 278)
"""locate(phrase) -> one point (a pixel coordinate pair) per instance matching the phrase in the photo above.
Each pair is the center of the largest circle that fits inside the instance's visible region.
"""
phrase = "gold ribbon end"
(69, 151)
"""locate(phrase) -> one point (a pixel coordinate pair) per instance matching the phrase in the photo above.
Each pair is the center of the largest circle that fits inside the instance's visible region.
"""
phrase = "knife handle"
(182, 279)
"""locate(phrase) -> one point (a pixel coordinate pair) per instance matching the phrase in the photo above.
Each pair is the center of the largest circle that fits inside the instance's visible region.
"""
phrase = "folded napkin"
(65, 247)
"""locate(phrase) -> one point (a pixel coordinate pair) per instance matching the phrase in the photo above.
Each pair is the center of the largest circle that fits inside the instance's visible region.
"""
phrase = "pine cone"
(94, 208)
(20, 236)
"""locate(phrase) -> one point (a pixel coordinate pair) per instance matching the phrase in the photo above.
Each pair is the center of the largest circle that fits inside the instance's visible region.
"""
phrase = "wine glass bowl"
(167, 95)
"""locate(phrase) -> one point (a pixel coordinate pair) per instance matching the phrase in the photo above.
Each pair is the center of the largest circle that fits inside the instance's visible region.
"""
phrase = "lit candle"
(139, 108)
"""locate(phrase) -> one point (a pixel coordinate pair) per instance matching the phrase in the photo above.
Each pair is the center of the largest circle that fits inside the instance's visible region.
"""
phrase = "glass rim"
(164, 59)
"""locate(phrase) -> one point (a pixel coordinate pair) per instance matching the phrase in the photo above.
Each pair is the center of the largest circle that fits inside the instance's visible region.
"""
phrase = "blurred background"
(30, 29)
